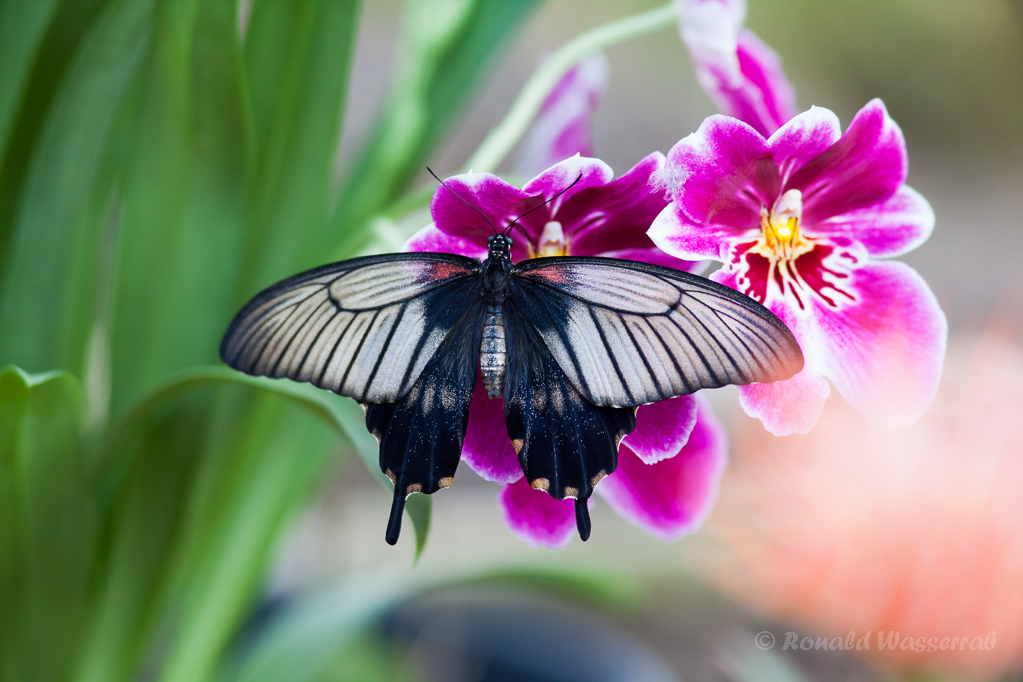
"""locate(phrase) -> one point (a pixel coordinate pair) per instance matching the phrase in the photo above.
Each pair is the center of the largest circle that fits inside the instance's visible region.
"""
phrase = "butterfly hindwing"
(628, 333)
(421, 435)
(364, 328)
(565, 443)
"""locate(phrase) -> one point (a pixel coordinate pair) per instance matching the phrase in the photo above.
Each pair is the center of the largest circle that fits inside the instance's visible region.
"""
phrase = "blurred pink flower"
(916, 531)
(740, 73)
(563, 127)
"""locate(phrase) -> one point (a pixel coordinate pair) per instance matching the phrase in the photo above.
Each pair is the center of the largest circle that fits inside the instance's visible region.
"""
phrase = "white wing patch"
(627, 333)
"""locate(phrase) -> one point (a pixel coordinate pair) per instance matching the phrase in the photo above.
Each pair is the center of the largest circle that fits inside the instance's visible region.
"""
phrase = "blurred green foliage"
(160, 162)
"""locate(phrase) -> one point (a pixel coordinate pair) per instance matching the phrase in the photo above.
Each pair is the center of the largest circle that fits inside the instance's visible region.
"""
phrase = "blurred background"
(162, 519)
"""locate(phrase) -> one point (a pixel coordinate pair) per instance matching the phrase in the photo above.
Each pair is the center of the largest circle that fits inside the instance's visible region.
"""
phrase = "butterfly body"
(573, 345)
(493, 346)
(493, 351)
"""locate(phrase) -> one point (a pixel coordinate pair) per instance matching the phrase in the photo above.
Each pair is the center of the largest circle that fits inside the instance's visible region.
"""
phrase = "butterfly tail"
(582, 519)
(397, 509)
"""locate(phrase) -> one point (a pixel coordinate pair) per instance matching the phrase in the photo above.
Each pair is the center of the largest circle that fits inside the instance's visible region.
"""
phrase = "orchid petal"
(564, 180)
(536, 517)
(767, 89)
(568, 178)
(710, 30)
(675, 234)
(741, 74)
(590, 213)
(662, 428)
(865, 167)
(884, 355)
(786, 407)
(672, 497)
(803, 138)
(497, 200)
(487, 449)
(563, 126)
(617, 214)
(433, 239)
(890, 228)
(723, 174)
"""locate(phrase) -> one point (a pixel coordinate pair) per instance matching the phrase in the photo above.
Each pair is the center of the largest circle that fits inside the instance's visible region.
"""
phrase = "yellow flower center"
(552, 242)
(780, 238)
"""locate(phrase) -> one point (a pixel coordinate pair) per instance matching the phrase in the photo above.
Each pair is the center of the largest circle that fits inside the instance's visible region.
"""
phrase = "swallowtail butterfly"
(573, 345)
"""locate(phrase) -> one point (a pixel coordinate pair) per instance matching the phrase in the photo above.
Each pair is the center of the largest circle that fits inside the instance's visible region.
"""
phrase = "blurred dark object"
(503, 636)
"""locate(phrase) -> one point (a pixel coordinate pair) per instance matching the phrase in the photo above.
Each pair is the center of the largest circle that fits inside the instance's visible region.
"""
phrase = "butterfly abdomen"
(493, 351)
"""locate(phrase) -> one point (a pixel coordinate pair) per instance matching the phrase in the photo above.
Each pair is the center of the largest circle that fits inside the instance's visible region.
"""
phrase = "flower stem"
(501, 139)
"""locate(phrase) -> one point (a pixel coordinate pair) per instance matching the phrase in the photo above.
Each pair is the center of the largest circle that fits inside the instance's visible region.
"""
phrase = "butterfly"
(573, 345)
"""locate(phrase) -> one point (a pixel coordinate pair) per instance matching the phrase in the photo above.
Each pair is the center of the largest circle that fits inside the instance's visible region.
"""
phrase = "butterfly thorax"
(493, 348)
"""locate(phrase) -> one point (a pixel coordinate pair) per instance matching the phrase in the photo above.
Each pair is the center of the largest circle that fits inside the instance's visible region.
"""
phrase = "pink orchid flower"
(668, 468)
(799, 220)
(740, 73)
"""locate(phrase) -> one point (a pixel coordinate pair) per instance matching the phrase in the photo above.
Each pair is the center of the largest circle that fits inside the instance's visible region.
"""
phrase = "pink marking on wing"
(552, 274)
(441, 271)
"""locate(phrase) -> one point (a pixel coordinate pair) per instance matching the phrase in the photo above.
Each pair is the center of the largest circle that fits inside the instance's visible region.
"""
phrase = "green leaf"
(185, 199)
(271, 456)
(157, 455)
(419, 509)
(22, 26)
(448, 46)
(39, 40)
(199, 480)
(296, 62)
(48, 291)
(46, 528)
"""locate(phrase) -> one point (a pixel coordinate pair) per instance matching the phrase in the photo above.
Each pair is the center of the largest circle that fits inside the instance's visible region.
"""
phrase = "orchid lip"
(774, 260)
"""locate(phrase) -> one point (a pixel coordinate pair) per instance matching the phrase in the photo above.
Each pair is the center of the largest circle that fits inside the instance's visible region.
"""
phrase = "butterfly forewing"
(628, 333)
(364, 328)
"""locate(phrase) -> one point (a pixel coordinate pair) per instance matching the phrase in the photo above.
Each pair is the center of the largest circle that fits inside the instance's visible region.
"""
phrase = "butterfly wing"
(421, 435)
(565, 443)
(364, 328)
(626, 333)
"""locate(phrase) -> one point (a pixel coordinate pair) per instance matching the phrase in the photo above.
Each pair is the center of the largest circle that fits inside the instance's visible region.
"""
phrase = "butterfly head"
(500, 247)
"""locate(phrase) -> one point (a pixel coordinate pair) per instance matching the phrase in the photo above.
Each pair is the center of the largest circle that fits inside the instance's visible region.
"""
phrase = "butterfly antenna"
(512, 223)
(463, 200)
